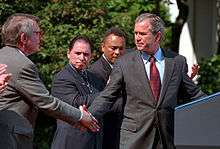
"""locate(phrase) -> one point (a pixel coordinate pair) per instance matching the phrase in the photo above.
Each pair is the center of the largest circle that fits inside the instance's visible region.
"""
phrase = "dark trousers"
(15, 133)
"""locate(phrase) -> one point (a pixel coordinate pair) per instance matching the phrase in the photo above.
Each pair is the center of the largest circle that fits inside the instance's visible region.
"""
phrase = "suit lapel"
(106, 65)
(141, 75)
(169, 66)
(75, 74)
(106, 68)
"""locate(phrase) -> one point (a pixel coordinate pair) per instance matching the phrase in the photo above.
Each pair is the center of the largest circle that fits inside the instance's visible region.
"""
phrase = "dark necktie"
(84, 75)
(154, 78)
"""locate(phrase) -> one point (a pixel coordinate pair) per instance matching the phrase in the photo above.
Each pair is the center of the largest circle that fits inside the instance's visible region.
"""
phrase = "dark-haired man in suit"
(150, 80)
(112, 46)
(74, 85)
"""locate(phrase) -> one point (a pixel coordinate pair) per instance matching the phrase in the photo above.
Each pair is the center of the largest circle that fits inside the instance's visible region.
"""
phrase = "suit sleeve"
(188, 89)
(70, 92)
(108, 97)
(34, 92)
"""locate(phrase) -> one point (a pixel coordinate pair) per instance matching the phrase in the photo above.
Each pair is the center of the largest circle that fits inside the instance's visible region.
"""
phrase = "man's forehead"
(146, 22)
(81, 45)
(114, 37)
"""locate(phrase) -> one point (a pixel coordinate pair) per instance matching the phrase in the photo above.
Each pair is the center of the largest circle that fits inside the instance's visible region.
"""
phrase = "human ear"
(102, 47)
(23, 38)
(158, 36)
(68, 54)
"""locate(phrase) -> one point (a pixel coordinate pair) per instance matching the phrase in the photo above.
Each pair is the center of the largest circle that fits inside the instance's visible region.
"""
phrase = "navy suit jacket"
(73, 89)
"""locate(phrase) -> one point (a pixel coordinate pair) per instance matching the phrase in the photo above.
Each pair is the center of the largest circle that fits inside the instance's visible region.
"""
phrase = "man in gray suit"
(25, 93)
(149, 88)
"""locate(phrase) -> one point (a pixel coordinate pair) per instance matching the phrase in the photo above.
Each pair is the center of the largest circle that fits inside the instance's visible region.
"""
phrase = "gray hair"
(15, 25)
(157, 24)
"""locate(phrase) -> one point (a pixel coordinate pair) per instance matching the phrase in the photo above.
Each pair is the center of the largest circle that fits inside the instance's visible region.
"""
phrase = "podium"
(197, 124)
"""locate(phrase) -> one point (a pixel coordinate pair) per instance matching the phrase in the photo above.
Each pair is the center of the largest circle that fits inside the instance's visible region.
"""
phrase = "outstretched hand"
(88, 120)
(4, 77)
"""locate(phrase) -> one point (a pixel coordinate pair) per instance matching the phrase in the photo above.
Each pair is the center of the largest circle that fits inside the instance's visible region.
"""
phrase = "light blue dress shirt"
(160, 62)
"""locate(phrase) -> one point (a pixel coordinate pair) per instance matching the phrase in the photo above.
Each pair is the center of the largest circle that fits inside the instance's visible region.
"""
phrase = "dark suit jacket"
(112, 119)
(70, 86)
(25, 94)
(143, 117)
(102, 70)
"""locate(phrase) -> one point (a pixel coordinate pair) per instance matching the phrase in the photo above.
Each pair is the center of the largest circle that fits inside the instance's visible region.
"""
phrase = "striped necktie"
(155, 82)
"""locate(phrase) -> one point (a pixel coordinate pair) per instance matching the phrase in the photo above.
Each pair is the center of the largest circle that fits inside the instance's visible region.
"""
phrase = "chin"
(80, 67)
(140, 49)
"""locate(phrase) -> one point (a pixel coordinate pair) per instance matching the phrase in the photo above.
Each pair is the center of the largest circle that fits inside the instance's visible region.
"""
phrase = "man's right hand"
(88, 120)
(4, 77)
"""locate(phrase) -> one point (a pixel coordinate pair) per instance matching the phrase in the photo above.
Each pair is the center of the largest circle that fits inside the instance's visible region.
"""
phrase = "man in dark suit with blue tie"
(150, 80)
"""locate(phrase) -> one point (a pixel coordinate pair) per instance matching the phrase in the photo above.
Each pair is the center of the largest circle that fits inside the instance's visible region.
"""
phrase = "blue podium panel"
(197, 124)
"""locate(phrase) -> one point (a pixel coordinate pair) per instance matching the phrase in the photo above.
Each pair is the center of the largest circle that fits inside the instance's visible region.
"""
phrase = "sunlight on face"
(113, 47)
(145, 40)
(80, 54)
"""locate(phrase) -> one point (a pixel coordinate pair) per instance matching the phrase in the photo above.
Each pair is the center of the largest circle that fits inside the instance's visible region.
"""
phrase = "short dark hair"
(115, 31)
(14, 25)
(80, 37)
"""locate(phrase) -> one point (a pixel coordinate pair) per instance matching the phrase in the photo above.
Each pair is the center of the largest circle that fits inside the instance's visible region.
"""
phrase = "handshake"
(87, 121)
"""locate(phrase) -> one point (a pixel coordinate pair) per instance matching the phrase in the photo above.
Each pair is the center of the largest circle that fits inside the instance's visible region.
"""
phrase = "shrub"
(209, 79)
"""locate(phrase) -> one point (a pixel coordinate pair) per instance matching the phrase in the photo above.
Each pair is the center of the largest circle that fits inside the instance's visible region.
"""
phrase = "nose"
(81, 56)
(117, 51)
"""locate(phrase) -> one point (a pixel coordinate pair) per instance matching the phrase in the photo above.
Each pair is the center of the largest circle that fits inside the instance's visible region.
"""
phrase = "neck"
(22, 49)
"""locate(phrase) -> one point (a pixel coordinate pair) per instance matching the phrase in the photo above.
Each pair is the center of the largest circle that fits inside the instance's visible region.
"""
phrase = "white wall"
(202, 27)
(198, 37)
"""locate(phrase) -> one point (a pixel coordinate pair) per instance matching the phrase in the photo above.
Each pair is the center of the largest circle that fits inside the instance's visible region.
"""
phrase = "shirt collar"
(107, 61)
(74, 68)
(21, 52)
(158, 55)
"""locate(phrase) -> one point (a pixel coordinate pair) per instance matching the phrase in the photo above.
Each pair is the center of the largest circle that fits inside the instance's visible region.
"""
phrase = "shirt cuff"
(81, 116)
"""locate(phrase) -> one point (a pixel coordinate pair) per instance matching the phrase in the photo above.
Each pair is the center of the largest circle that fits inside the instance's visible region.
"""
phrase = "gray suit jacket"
(26, 93)
(146, 121)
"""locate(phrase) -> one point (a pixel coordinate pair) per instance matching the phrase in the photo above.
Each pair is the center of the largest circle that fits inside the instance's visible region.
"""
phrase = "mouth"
(115, 57)
(81, 63)
(139, 44)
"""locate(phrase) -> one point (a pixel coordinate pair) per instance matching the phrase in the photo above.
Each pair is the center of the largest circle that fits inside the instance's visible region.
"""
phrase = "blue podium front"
(197, 124)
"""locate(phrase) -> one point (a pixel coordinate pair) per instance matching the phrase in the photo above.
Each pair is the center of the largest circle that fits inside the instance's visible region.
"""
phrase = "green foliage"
(210, 75)
(61, 20)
